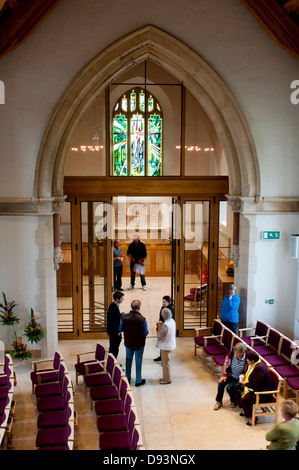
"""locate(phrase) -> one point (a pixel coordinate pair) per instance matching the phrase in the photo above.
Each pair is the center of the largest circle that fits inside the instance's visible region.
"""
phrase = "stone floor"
(178, 416)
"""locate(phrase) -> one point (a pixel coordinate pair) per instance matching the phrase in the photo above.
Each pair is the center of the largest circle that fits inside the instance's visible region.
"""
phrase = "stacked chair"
(56, 416)
(112, 401)
(7, 403)
(279, 354)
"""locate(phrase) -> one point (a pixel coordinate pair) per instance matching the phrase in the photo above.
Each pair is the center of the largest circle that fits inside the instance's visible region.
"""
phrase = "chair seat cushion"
(95, 380)
(264, 350)
(293, 382)
(4, 392)
(104, 392)
(277, 360)
(47, 390)
(53, 436)
(51, 404)
(219, 359)
(215, 349)
(287, 371)
(115, 440)
(92, 368)
(257, 342)
(199, 340)
(109, 407)
(50, 376)
(53, 419)
(107, 423)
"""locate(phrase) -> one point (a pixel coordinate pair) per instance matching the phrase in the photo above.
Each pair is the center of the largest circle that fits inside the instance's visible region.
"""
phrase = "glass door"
(196, 243)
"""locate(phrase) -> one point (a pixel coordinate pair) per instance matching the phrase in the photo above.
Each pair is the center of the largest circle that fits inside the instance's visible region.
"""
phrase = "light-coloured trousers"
(165, 358)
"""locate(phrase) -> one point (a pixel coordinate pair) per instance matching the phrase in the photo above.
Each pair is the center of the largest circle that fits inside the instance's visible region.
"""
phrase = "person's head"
(166, 300)
(116, 243)
(289, 409)
(232, 289)
(239, 350)
(252, 357)
(166, 313)
(135, 305)
(135, 239)
(118, 296)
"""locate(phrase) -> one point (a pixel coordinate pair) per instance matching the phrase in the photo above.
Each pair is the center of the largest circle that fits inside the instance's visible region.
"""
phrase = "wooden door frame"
(81, 189)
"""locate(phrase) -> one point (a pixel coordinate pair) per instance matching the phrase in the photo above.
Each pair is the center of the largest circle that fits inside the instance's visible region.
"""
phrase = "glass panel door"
(225, 265)
(94, 266)
(64, 275)
(196, 228)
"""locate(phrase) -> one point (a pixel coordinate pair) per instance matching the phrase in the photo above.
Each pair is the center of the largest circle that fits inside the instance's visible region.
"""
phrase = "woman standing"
(166, 343)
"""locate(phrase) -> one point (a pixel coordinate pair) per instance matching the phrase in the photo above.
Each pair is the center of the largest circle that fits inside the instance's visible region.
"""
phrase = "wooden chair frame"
(267, 408)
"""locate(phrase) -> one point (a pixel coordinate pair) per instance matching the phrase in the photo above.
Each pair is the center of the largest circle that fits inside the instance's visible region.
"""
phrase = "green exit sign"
(271, 235)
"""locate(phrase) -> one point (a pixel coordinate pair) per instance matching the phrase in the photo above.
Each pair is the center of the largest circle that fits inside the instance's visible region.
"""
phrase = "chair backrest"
(217, 328)
(131, 421)
(275, 379)
(123, 390)
(261, 328)
(274, 338)
(286, 347)
(110, 364)
(61, 373)
(135, 439)
(127, 406)
(117, 373)
(100, 352)
(56, 360)
(227, 338)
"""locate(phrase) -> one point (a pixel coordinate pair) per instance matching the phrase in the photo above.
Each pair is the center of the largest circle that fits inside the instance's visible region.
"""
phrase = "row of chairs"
(56, 415)
(111, 399)
(7, 403)
(221, 341)
(280, 352)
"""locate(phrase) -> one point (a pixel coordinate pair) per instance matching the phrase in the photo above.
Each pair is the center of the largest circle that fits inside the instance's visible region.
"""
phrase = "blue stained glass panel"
(155, 145)
(120, 164)
(137, 145)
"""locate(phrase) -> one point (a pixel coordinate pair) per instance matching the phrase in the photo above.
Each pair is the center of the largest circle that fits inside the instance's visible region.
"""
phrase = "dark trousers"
(133, 274)
(230, 385)
(114, 342)
(231, 326)
(248, 401)
(118, 272)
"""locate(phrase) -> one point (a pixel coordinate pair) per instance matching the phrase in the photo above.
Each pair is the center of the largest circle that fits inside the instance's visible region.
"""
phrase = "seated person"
(257, 379)
(285, 435)
(233, 367)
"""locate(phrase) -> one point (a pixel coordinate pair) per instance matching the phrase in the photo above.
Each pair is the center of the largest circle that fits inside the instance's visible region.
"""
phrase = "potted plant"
(7, 317)
(33, 330)
(19, 350)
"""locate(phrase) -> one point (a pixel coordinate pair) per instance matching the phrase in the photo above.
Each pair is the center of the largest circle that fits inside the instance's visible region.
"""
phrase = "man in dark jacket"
(137, 254)
(135, 329)
(113, 323)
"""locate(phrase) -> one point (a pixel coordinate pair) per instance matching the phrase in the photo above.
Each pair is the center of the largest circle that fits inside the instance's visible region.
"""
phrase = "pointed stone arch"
(149, 43)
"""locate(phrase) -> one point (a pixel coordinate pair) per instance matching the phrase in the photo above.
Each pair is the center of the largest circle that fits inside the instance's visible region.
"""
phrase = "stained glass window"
(137, 135)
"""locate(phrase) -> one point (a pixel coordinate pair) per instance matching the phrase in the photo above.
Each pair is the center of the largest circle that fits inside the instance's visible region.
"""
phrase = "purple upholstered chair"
(214, 338)
(91, 366)
(115, 405)
(272, 344)
(100, 378)
(53, 437)
(43, 375)
(224, 347)
(107, 391)
(52, 388)
(57, 402)
(284, 353)
(115, 422)
(119, 440)
(292, 383)
(259, 337)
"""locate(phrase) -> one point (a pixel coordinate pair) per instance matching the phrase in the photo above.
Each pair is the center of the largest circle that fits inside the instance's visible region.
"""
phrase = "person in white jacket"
(166, 343)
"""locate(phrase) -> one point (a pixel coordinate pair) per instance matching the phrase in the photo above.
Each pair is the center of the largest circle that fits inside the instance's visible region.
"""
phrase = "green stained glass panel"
(155, 145)
(120, 164)
(137, 145)
(133, 101)
(150, 103)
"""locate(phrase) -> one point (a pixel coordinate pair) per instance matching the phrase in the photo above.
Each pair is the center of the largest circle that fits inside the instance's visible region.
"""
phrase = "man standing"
(113, 323)
(135, 329)
(229, 309)
(137, 254)
(117, 265)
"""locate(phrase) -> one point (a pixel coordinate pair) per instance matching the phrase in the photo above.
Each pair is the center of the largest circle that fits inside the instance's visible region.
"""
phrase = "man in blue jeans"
(135, 329)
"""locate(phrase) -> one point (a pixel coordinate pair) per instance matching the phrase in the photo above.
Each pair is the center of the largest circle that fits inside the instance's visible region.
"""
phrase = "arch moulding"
(188, 67)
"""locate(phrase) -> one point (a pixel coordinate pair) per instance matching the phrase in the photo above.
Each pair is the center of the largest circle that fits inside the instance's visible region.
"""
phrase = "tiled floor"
(178, 416)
